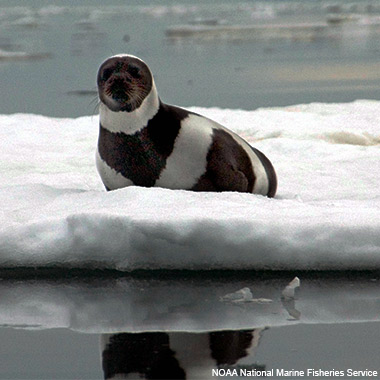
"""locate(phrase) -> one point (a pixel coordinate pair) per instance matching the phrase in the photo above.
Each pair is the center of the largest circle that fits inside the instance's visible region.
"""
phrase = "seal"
(145, 142)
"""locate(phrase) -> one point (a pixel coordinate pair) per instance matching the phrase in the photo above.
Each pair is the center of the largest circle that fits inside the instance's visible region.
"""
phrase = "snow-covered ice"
(326, 215)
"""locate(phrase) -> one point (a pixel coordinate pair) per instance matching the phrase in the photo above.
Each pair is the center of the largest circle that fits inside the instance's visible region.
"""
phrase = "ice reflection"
(184, 302)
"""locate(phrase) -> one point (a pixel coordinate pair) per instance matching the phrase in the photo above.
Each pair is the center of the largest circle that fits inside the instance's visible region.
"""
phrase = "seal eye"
(134, 71)
(106, 74)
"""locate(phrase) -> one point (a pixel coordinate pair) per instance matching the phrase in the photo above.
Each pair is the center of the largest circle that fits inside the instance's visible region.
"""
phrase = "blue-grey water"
(63, 354)
(297, 51)
(184, 326)
(211, 53)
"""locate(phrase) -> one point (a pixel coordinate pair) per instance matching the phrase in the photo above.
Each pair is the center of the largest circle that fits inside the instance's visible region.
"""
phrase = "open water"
(183, 325)
(229, 54)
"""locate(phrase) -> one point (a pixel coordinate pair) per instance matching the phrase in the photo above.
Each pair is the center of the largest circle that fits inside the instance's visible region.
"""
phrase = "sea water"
(162, 325)
(229, 54)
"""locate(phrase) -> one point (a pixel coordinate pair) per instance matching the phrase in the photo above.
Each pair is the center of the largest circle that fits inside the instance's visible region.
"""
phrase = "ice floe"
(55, 211)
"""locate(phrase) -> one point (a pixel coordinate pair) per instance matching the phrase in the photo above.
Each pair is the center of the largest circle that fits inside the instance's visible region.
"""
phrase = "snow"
(55, 212)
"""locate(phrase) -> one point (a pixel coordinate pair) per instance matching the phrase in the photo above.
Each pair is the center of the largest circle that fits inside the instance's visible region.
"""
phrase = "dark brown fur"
(229, 167)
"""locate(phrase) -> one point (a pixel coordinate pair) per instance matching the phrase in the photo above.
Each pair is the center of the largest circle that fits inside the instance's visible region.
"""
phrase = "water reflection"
(182, 325)
(161, 355)
(187, 355)
(158, 302)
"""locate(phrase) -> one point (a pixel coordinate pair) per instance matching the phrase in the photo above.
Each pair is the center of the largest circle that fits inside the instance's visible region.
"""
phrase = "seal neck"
(130, 122)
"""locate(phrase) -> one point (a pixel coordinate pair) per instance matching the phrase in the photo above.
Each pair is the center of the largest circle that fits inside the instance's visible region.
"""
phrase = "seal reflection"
(161, 355)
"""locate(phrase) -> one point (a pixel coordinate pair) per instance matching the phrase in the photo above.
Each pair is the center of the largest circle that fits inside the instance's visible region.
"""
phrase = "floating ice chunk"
(261, 300)
(304, 31)
(21, 55)
(205, 21)
(244, 295)
(52, 10)
(288, 292)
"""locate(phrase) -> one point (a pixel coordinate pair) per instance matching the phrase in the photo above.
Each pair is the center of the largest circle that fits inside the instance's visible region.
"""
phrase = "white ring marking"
(188, 160)
(130, 122)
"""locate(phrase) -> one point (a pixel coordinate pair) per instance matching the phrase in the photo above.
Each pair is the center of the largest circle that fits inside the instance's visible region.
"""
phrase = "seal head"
(124, 82)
